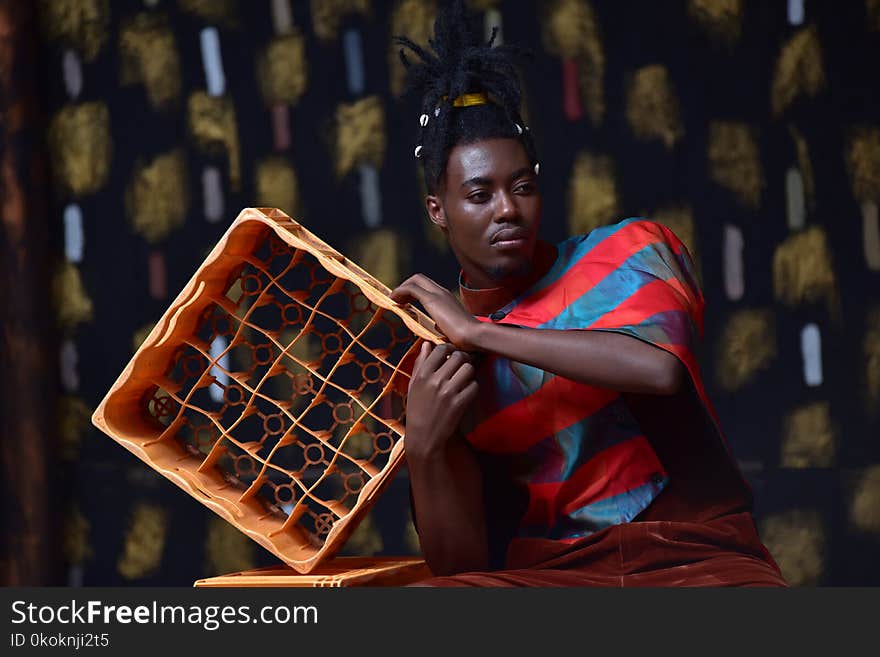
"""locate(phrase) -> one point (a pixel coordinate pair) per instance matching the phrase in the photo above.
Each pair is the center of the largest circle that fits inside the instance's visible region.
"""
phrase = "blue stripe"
(611, 511)
(562, 453)
(641, 268)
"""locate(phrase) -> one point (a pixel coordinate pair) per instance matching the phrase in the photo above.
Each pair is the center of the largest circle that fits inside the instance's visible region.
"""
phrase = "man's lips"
(510, 237)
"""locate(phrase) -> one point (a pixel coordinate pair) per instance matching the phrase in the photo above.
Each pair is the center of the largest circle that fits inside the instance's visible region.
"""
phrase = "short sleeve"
(652, 293)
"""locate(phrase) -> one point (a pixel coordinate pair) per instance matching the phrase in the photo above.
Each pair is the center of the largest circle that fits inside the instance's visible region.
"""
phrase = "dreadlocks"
(455, 64)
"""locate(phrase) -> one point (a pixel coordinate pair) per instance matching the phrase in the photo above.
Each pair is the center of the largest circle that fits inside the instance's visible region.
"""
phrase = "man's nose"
(506, 207)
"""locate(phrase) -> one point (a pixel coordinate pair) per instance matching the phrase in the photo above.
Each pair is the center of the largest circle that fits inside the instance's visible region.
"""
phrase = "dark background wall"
(751, 128)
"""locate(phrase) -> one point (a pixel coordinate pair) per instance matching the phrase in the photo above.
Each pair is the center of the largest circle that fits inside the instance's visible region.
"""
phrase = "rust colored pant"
(725, 551)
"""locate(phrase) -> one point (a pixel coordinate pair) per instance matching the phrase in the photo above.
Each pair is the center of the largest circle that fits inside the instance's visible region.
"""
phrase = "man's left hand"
(456, 323)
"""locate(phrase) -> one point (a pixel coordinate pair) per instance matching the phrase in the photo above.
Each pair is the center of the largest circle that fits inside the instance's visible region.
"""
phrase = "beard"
(507, 273)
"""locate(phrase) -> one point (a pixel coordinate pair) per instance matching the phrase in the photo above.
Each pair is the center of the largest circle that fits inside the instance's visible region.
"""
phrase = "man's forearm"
(447, 494)
(599, 358)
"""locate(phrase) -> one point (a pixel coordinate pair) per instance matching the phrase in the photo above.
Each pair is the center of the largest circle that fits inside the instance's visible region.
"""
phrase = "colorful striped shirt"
(579, 451)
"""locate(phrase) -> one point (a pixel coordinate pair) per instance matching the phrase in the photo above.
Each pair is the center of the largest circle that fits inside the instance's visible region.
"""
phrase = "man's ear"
(435, 210)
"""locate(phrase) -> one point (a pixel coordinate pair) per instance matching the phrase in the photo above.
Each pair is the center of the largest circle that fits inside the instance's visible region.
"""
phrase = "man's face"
(489, 207)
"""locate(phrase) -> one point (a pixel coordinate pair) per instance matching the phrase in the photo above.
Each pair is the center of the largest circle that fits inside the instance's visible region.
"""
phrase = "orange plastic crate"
(291, 445)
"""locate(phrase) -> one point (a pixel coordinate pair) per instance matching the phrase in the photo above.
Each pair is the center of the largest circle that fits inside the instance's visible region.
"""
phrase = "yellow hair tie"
(469, 100)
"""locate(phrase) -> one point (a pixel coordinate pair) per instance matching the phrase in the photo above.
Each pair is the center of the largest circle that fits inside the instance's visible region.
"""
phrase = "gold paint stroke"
(380, 252)
(157, 196)
(863, 162)
(80, 24)
(746, 346)
(592, 193)
(799, 70)
(808, 437)
(81, 147)
(281, 69)
(144, 541)
(148, 55)
(359, 134)
(865, 507)
(652, 108)
(277, 186)
(734, 161)
(212, 125)
(721, 19)
(797, 541)
(72, 305)
(803, 272)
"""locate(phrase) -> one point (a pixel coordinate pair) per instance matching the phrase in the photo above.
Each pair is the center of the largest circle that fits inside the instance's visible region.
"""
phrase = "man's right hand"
(441, 389)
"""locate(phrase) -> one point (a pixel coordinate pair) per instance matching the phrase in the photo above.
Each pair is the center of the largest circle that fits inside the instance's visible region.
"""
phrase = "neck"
(490, 296)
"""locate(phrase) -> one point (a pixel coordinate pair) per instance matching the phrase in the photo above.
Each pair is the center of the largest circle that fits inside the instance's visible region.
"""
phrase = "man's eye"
(478, 197)
(524, 188)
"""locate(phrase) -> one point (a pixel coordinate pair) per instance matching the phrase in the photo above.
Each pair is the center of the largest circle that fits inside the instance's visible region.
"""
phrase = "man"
(564, 436)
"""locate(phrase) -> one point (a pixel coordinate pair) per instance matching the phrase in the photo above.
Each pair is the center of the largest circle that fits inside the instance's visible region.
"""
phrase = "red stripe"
(557, 404)
(693, 302)
(590, 269)
(614, 471)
